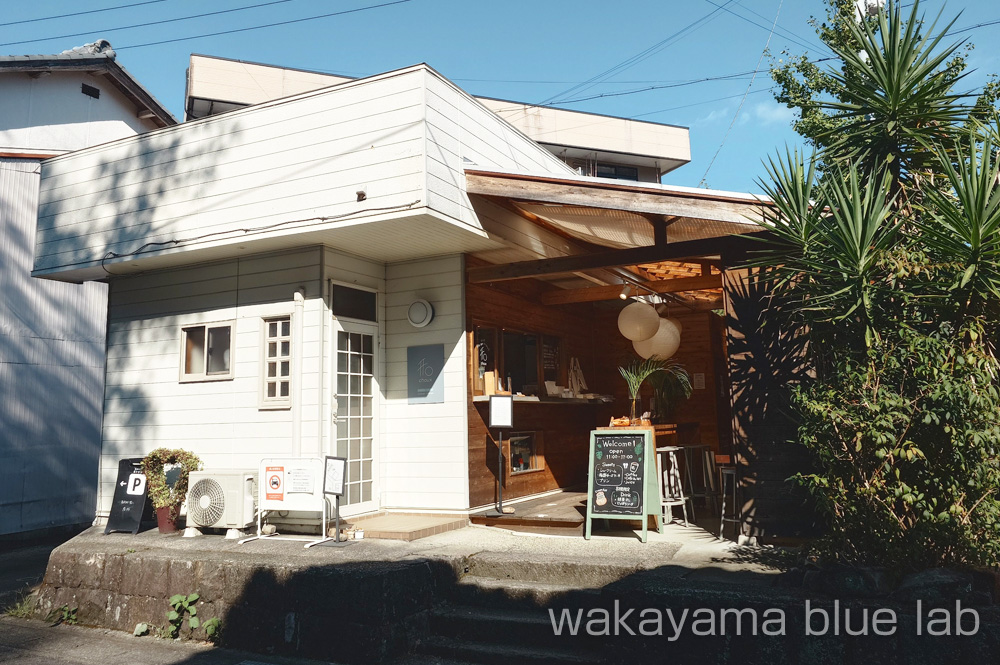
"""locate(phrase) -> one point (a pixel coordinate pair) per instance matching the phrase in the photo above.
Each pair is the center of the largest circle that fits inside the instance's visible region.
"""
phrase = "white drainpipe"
(297, 328)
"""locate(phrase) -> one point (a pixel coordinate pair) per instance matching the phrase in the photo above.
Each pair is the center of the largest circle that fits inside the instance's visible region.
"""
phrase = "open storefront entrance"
(546, 327)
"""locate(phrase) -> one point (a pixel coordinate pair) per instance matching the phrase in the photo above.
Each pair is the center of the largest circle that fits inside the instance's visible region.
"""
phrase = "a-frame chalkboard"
(131, 506)
(622, 483)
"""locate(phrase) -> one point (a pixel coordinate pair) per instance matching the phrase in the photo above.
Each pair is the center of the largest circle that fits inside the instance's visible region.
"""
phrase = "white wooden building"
(52, 335)
(261, 263)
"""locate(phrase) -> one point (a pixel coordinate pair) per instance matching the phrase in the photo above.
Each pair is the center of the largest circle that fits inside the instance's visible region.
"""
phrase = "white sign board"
(336, 476)
(501, 411)
(290, 483)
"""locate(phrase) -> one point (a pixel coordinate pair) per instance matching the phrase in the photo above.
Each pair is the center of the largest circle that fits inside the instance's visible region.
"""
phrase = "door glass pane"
(356, 386)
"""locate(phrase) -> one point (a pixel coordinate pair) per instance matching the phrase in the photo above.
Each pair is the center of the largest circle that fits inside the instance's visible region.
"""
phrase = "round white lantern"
(661, 345)
(638, 321)
(677, 324)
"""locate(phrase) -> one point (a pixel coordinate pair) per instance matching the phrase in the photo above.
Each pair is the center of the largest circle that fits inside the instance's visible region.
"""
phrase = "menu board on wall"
(550, 358)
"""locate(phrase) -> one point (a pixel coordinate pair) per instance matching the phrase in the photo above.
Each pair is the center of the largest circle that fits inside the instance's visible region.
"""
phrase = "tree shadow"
(766, 362)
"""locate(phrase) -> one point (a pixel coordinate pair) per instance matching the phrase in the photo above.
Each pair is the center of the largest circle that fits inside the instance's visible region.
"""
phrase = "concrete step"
(569, 571)
(505, 654)
(502, 626)
(474, 591)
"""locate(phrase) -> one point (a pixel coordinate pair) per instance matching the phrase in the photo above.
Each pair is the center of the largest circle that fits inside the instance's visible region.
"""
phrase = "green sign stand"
(622, 483)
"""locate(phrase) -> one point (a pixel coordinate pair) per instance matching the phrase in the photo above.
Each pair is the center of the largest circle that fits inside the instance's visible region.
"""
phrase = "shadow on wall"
(765, 364)
(51, 375)
(463, 610)
(55, 414)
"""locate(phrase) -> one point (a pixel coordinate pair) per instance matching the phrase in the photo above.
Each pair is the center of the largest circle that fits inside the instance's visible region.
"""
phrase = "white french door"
(356, 393)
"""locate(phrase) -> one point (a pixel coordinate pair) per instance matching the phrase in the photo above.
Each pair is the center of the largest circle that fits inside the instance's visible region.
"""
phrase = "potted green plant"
(637, 370)
(167, 497)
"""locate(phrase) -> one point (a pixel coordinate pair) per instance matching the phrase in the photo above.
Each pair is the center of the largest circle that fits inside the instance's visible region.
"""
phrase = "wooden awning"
(669, 240)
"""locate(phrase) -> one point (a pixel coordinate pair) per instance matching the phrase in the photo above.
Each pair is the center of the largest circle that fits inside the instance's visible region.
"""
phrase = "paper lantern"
(677, 324)
(661, 345)
(638, 321)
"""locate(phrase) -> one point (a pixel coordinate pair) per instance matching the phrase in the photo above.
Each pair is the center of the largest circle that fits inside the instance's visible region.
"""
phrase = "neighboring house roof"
(97, 58)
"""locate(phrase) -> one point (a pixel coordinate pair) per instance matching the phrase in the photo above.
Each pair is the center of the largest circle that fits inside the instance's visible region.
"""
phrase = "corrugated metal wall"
(51, 375)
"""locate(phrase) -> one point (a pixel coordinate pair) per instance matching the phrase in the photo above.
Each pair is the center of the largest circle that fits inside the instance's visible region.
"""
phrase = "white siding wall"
(462, 134)
(51, 375)
(425, 446)
(52, 113)
(270, 164)
(146, 406)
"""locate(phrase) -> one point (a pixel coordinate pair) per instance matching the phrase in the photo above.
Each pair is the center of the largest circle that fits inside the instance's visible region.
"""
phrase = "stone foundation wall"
(353, 612)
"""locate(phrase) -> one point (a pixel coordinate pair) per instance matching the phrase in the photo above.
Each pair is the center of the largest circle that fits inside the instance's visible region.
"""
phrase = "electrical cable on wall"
(152, 245)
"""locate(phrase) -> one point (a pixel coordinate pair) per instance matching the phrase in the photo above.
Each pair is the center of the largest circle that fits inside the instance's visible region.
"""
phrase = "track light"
(626, 290)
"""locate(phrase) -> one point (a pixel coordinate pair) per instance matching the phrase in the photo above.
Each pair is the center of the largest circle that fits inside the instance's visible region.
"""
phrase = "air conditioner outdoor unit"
(222, 499)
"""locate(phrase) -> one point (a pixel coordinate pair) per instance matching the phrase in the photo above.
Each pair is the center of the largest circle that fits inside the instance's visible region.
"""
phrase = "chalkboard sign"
(622, 482)
(619, 472)
(130, 507)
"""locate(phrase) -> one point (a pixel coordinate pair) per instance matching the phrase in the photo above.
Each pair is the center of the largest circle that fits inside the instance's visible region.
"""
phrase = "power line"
(267, 25)
(638, 57)
(787, 34)
(146, 25)
(90, 11)
(726, 77)
(972, 27)
(707, 101)
(740, 107)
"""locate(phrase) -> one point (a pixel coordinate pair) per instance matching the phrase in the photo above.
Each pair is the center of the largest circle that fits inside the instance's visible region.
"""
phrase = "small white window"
(276, 389)
(206, 352)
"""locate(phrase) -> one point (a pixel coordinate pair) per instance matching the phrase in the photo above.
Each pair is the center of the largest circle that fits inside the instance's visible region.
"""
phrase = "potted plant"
(167, 497)
(637, 370)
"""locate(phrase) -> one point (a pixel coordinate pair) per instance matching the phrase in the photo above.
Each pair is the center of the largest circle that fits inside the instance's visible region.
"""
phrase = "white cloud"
(715, 115)
(770, 113)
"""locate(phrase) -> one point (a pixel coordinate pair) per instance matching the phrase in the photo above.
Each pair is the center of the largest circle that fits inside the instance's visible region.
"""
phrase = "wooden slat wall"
(565, 428)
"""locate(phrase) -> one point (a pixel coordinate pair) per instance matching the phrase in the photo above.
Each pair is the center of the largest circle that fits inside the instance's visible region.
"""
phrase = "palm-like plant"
(637, 370)
(894, 98)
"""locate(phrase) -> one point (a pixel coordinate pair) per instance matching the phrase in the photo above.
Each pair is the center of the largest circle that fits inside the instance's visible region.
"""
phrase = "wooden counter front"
(563, 432)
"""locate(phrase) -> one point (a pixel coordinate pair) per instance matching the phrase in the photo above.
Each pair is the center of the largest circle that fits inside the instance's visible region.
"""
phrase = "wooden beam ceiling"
(594, 294)
(730, 246)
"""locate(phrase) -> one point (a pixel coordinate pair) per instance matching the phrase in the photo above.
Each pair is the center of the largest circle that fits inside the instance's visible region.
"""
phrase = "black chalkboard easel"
(131, 506)
(623, 483)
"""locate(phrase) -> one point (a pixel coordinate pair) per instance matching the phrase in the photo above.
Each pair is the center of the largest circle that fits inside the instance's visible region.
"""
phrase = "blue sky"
(532, 51)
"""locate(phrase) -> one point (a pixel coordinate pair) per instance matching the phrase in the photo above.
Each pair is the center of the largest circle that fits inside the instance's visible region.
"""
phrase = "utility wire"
(91, 11)
(267, 25)
(638, 57)
(784, 32)
(972, 27)
(146, 25)
(726, 77)
(740, 107)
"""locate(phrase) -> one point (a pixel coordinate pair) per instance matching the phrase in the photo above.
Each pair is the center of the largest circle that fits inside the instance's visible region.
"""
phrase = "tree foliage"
(888, 257)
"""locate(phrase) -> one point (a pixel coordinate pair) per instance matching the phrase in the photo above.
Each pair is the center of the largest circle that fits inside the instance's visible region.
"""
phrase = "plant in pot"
(635, 372)
(671, 386)
(166, 496)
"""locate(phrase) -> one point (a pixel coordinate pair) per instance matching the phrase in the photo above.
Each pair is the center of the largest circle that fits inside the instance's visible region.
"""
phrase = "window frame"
(204, 376)
(357, 287)
(278, 402)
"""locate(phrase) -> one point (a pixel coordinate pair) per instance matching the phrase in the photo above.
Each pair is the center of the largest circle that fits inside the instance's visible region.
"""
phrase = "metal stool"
(706, 488)
(727, 473)
(672, 492)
